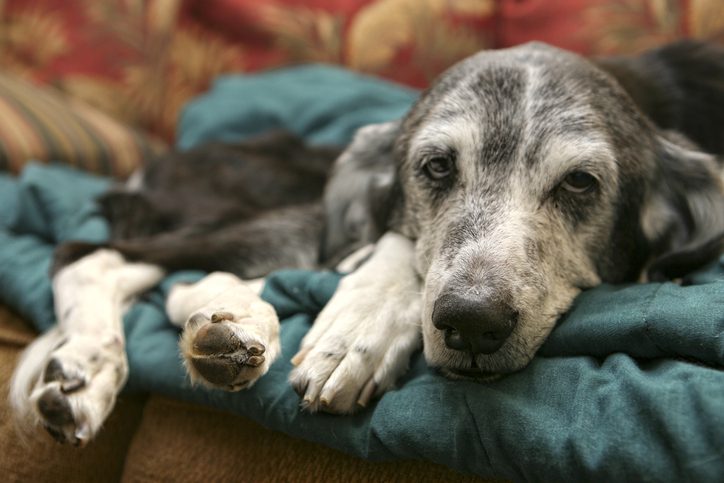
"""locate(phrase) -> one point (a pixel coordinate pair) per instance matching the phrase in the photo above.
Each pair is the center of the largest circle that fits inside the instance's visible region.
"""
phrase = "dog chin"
(463, 366)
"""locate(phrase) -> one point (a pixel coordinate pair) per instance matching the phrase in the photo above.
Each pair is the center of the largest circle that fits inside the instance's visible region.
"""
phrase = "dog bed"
(629, 386)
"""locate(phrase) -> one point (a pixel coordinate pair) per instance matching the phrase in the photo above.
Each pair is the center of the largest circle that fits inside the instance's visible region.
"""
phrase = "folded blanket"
(629, 386)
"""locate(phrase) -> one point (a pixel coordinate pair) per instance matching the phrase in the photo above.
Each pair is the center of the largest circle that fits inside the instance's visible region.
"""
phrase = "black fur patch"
(247, 208)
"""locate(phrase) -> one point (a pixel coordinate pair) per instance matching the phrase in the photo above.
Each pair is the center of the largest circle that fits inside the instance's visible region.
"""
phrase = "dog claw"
(55, 372)
(72, 385)
(81, 435)
(299, 356)
(255, 361)
(367, 392)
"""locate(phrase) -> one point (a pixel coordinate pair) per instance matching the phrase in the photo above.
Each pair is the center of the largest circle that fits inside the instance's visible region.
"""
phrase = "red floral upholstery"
(141, 60)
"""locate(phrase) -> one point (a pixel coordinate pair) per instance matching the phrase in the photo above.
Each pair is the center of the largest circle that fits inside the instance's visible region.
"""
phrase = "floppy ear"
(359, 196)
(683, 217)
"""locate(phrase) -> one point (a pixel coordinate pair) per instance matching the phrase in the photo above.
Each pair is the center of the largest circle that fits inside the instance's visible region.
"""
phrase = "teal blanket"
(629, 386)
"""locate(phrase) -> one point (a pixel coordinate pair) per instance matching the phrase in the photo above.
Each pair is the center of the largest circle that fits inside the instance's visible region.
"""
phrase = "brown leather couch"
(156, 439)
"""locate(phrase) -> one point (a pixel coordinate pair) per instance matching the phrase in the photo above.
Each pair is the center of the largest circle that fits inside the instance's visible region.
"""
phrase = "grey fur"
(356, 197)
(502, 230)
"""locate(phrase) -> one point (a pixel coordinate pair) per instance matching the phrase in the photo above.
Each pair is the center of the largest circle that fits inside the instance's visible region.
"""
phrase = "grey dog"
(520, 178)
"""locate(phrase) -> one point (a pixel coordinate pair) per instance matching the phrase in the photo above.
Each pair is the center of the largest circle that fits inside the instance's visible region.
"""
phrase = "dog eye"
(438, 167)
(579, 182)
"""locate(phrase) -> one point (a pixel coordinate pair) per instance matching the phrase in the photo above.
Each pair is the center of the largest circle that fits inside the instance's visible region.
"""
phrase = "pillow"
(40, 124)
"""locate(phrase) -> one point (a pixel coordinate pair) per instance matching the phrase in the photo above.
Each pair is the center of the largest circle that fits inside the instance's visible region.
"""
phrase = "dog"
(520, 178)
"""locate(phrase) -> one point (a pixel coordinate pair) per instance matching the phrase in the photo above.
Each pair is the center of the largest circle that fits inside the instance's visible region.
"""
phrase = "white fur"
(184, 299)
(363, 339)
(28, 369)
(253, 321)
(91, 296)
(88, 343)
(355, 259)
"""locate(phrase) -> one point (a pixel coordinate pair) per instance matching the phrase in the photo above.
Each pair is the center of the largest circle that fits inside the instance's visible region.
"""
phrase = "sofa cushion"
(39, 123)
(178, 441)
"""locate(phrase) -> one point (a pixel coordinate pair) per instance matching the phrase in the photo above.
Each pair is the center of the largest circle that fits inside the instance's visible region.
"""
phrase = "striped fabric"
(40, 124)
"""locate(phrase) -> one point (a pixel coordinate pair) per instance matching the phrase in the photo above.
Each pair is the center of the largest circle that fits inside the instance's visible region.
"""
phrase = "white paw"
(68, 379)
(77, 388)
(359, 345)
(231, 341)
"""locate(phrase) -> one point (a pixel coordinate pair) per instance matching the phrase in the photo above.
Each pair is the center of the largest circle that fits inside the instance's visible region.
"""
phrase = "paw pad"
(55, 408)
(216, 339)
(220, 357)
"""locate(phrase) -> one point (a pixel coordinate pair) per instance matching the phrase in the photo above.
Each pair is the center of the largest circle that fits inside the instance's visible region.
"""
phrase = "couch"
(185, 45)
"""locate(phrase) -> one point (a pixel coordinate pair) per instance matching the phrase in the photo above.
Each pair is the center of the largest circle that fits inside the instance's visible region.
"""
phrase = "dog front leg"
(68, 379)
(363, 339)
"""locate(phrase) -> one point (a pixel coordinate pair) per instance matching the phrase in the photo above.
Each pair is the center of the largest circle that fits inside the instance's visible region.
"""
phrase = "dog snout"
(478, 325)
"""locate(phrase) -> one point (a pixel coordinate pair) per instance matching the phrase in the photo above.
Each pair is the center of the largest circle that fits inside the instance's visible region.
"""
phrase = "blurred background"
(139, 61)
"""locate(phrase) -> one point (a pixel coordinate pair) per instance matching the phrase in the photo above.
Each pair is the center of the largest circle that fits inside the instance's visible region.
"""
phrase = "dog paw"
(232, 341)
(358, 346)
(77, 388)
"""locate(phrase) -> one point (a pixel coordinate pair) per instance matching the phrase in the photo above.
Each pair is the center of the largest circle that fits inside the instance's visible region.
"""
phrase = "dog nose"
(477, 325)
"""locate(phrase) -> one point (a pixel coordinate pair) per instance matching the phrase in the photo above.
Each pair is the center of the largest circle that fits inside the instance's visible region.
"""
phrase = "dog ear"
(359, 196)
(683, 217)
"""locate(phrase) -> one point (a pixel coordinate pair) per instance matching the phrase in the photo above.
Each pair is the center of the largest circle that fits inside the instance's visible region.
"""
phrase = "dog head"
(526, 175)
